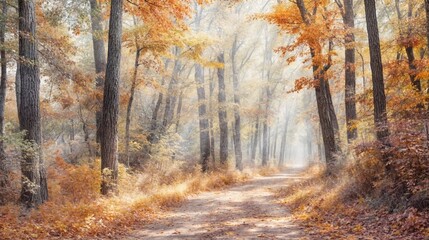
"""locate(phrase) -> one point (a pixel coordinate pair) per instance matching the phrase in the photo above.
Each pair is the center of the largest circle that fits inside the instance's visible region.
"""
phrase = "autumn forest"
(214, 119)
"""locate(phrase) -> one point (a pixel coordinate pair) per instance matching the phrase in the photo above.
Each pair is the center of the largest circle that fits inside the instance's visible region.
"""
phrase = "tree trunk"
(255, 141)
(179, 111)
(109, 123)
(237, 118)
(223, 121)
(283, 143)
(153, 135)
(203, 119)
(350, 72)
(327, 117)
(34, 185)
(265, 143)
(84, 128)
(274, 147)
(212, 137)
(130, 106)
(380, 113)
(3, 84)
(99, 57)
(170, 101)
(265, 135)
(409, 48)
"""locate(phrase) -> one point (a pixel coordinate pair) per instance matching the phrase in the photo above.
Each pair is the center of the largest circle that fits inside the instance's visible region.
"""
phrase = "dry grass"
(344, 208)
(76, 210)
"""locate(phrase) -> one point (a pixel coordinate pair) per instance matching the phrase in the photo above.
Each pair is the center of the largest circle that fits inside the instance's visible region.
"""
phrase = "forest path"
(248, 211)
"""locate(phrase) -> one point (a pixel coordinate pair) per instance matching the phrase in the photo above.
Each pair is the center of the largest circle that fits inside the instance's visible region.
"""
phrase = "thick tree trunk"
(99, 57)
(237, 117)
(380, 113)
(34, 185)
(3, 84)
(203, 119)
(130, 106)
(109, 123)
(223, 121)
(350, 72)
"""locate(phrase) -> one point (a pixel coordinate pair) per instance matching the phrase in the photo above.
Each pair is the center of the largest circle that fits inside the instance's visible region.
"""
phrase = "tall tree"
(171, 97)
(3, 83)
(327, 117)
(109, 123)
(237, 117)
(203, 118)
(347, 13)
(131, 99)
(99, 56)
(34, 185)
(223, 121)
(379, 96)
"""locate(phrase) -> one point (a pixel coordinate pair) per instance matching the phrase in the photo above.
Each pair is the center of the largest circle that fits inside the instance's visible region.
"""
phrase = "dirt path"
(248, 211)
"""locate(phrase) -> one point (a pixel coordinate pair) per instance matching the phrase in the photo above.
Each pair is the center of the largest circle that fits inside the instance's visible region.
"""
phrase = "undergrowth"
(351, 206)
(77, 210)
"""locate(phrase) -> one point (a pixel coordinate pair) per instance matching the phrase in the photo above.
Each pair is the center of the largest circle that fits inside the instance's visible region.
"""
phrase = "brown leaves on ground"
(319, 205)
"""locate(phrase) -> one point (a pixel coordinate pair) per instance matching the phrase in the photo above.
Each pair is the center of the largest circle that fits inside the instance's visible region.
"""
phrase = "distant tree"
(203, 118)
(99, 55)
(223, 119)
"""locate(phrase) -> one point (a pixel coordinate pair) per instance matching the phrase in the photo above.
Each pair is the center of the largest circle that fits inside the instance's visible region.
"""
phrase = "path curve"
(248, 211)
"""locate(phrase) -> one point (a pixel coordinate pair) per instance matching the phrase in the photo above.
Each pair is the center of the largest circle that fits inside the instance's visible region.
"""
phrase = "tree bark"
(171, 98)
(130, 106)
(34, 185)
(153, 135)
(350, 72)
(223, 121)
(212, 137)
(203, 119)
(237, 117)
(109, 123)
(99, 57)
(3, 84)
(409, 48)
(380, 113)
(327, 117)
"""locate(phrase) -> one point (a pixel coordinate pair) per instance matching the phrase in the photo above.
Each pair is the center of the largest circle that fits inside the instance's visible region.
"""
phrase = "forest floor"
(248, 211)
